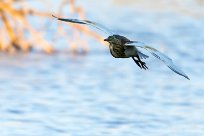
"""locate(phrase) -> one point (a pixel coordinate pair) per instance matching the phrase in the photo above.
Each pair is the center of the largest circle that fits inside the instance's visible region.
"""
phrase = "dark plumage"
(122, 47)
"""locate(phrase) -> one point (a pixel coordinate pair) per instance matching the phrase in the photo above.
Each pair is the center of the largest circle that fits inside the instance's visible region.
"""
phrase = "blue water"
(97, 95)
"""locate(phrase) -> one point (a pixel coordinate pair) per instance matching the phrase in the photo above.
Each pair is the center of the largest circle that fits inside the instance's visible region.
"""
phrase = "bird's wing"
(168, 61)
(87, 22)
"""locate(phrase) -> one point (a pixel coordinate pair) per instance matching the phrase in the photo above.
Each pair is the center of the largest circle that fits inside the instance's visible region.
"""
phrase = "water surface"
(97, 95)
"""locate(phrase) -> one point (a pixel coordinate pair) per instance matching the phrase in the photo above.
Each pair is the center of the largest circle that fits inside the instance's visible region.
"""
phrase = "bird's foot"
(143, 64)
(140, 63)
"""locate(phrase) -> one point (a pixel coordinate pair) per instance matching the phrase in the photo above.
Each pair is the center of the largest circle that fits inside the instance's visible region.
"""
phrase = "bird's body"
(117, 48)
(122, 47)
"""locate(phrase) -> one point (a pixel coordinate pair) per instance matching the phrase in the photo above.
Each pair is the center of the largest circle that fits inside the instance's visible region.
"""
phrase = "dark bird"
(122, 47)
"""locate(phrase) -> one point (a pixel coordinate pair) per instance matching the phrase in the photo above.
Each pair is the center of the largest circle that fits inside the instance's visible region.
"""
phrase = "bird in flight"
(122, 47)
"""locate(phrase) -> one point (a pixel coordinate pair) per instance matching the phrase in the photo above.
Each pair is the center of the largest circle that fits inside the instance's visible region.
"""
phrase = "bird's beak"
(106, 40)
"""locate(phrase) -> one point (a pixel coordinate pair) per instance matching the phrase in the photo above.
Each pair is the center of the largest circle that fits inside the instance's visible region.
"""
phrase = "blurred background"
(59, 79)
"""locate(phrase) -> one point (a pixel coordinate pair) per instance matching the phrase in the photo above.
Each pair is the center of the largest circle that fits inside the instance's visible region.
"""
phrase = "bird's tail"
(142, 55)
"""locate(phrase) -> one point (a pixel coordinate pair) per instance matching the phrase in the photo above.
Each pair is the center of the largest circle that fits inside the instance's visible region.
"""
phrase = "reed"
(17, 34)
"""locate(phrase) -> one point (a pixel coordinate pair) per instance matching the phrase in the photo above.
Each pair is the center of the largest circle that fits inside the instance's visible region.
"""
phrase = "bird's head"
(110, 39)
(117, 39)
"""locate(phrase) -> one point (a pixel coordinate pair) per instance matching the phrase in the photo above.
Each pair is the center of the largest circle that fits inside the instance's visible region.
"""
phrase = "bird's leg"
(137, 62)
(143, 64)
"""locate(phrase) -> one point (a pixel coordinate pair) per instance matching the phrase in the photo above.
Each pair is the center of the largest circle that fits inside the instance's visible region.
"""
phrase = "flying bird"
(122, 47)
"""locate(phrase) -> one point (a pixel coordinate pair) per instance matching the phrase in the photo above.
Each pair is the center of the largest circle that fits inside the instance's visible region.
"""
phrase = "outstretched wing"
(168, 61)
(87, 22)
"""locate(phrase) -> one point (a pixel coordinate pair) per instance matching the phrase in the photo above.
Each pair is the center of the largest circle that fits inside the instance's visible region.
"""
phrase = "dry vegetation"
(18, 34)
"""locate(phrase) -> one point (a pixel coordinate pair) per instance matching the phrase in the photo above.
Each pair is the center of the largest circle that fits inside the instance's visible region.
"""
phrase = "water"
(97, 95)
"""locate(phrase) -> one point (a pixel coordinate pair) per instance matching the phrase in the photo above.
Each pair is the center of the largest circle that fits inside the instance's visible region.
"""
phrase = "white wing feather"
(87, 22)
(168, 61)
